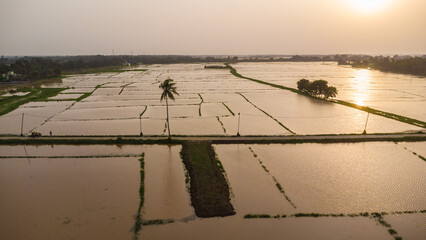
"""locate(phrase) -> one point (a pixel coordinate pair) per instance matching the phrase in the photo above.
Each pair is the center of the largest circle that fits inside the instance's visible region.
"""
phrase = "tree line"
(404, 65)
(33, 68)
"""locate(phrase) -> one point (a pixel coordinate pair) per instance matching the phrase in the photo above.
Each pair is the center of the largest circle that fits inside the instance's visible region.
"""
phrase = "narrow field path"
(213, 139)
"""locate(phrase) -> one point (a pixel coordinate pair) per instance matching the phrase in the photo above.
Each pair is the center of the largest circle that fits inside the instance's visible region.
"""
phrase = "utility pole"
(365, 127)
(22, 125)
(238, 132)
(140, 124)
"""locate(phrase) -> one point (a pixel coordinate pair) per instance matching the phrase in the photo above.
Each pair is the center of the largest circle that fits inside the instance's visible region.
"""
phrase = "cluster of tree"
(31, 68)
(396, 64)
(317, 88)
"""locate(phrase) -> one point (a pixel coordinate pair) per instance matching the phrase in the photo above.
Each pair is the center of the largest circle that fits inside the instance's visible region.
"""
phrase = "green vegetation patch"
(158, 222)
(257, 216)
(138, 218)
(35, 94)
(221, 124)
(209, 189)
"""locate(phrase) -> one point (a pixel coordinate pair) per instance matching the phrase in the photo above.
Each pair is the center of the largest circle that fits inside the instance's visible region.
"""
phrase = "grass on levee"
(208, 187)
(9, 104)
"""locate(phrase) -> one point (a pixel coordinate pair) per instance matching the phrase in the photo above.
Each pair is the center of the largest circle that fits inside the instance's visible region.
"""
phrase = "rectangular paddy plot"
(252, 189)
(347, 178)
(401, 94)
(104, 127)
(236, 227)
(35, 114)
(305, 115)
(166, 196)
(68, 198)
(209, 103)
(52, 192)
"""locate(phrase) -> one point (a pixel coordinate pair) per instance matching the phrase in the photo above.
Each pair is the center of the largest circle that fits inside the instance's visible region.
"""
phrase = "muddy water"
(87, 198)
(289, 228)
(34, 115)
(70, 150)
(397, 93)
(166, 196)
(97, 197)
(357, 177)
(92, 198)
(253, 190)
(408, 226)
(414, 147)
(309, 116)
(103, 127)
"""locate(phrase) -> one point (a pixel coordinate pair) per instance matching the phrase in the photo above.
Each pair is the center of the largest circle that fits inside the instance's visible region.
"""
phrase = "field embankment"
(209, 189)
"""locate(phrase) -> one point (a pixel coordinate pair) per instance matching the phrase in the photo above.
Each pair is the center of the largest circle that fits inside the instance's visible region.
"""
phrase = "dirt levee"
(209, 189)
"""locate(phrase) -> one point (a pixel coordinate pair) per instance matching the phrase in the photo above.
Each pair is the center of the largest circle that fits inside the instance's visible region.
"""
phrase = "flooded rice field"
(396, 93)
(214, 102)
(86, 192)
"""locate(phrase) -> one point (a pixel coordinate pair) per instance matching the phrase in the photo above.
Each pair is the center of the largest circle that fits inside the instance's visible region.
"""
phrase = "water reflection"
(361, 84)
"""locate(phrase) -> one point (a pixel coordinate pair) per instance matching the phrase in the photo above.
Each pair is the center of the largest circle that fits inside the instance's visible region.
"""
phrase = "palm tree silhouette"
(169, 89)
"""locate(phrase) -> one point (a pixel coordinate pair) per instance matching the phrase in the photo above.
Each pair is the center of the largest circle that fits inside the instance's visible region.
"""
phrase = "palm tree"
(169, 89)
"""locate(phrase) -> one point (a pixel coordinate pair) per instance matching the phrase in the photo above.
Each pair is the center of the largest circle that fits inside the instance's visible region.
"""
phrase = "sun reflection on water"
(361, 84)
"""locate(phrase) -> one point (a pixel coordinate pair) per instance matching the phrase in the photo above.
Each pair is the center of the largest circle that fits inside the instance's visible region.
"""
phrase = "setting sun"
(369, 6)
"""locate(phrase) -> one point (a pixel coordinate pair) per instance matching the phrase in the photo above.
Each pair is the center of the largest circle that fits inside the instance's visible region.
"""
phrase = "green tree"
(169, 89)
(330, 92)
(317, 88)
(303, 85)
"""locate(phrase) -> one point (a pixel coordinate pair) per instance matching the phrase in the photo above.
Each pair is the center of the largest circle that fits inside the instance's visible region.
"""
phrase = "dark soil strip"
(199, 106)
(209, 189)
(221, 124)
(122, 87)
(393, 116)
(228, 109)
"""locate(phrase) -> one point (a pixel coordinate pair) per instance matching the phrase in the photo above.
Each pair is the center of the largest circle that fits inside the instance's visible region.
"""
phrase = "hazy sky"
(71, 27)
